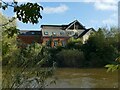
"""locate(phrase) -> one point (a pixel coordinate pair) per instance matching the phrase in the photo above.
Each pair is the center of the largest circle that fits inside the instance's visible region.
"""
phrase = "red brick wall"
(28, 39)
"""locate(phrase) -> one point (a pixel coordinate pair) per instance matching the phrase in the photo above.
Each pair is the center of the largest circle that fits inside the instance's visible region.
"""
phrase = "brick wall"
(28, 39)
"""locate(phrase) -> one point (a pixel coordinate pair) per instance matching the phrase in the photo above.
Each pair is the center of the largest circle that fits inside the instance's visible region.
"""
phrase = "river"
(85, 78)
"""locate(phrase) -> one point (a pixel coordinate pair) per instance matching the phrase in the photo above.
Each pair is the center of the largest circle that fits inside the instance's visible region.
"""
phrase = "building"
(29, 37)
(56, 33)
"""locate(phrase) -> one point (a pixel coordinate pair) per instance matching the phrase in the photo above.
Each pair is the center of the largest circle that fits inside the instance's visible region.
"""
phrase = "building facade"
(56, 33)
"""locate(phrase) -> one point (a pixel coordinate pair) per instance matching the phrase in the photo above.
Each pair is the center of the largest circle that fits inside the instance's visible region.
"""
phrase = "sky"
(90, 13)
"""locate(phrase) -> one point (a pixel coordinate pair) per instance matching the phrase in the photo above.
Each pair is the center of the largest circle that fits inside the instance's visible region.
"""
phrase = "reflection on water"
(85, 78)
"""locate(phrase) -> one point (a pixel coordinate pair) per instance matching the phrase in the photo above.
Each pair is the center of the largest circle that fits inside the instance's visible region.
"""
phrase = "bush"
(98, 50)
(70, 58)
(74, 43)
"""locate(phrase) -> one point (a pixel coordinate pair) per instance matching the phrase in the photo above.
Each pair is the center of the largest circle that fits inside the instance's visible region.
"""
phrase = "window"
(38, 32)
(63, 43)
(46, 33)
(32, 33)
(53, 33)
(23, 33)
(70, 33)
(55, 43)
(61, 33)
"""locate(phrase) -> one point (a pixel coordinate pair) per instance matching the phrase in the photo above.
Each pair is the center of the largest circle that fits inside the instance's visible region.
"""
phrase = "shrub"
(70, 58)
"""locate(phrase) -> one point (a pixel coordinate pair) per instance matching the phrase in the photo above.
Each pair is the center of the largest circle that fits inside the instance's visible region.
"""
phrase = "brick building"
(56, 33)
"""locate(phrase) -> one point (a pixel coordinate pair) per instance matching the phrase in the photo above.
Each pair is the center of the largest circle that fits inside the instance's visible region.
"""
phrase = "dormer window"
(70, 33)
(61, 33)
(46, 33)
(53, 33)
(32, 33)
(23, 33)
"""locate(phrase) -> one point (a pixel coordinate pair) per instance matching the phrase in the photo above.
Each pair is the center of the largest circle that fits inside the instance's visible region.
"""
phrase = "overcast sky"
(90, 13)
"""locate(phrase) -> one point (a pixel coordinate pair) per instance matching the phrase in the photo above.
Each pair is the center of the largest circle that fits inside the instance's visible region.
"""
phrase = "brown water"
(85, 78)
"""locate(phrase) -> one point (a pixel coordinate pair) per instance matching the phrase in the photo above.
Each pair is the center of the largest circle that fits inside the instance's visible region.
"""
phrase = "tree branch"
(7, 3)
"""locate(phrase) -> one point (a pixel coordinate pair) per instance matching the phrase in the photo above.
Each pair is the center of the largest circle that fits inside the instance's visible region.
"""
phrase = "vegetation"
(29, 15)
(99, 50)
(17, 61)
(103, 47)
(70, 58)
(22, 59)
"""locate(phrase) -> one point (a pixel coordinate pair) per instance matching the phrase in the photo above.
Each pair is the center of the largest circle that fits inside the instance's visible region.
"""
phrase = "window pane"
(61, 33)
(32, 33)
(55, 43)
(63, 43)
(53, 33)
(46, 33)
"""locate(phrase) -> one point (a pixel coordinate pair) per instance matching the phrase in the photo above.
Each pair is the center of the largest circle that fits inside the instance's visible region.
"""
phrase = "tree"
(74, 43)
(115, 41)
(70, 58)
(31, 14)
(98, 51)
(9, 34)
(21, 57)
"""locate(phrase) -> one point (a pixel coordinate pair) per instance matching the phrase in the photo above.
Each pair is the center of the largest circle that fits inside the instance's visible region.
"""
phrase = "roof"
(54, 25)
(26, 32)
(66, 26)
(83, 33)
(77, 22)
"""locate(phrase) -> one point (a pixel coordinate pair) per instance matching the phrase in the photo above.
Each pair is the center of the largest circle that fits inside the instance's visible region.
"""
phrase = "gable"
(75, 25)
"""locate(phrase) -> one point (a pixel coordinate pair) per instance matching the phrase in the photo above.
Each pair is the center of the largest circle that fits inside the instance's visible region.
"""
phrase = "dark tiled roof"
(54, 25)
(83, 33)
(26, 32)
(77, 22)
(66, 26)
(63, 27)
(57, 36)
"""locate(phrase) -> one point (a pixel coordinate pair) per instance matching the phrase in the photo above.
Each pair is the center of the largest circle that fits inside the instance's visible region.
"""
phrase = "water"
(85, 78)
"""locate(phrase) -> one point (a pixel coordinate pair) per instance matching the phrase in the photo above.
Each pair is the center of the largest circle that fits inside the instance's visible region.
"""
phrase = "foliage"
(98, 50)
(74, 43)
(31, 57)
(70, 58)
(114, 39)
(27, 12)
(9, 33)
(22, 58)
(16, 61)
(113, 67)
(31, 14)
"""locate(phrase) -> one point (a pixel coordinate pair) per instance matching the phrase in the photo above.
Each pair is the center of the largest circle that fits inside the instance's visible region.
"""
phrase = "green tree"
(74, 43)
(31, 14)
(98, 51)
(115, 41)
(12, 56)
(70, 58)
